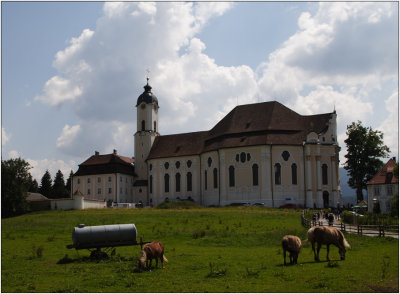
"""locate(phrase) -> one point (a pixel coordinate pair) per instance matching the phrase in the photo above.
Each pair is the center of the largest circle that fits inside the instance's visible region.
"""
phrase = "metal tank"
(86, 237)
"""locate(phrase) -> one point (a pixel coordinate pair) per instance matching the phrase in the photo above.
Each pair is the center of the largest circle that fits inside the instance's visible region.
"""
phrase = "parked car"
(239, 204)
(258, 204)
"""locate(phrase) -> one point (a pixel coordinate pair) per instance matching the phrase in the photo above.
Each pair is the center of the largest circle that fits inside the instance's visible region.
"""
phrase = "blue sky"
(72, 71)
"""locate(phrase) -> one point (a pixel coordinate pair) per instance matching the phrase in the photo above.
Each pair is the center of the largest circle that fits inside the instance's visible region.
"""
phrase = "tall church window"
(255, 174)
(205, 180)
(166, 183)
(231, 176)
(189, 181)
(324, 174)
(151, 184)
(215, 174)
(294, 174)
(178, 182)
(143, 125)
(277, 169)
(155, 126)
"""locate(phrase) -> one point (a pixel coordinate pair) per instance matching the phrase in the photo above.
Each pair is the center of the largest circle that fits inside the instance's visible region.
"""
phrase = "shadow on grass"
(84, 259)
(311, 262)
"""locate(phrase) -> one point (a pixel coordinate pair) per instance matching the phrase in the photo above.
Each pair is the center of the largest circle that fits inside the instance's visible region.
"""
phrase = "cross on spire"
(147, 75)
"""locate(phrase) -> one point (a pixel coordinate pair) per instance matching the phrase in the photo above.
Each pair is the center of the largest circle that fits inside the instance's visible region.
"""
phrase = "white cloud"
(389, 126)
(58, 90)
(5, 137)
(13, 154)
(39, 167)
(68, 136)
(336, 58)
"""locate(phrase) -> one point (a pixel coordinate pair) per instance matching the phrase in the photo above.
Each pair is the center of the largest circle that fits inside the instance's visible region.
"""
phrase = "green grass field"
(234, 249)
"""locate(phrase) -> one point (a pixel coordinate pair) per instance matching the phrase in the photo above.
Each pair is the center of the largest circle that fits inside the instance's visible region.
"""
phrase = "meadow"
(230, 249)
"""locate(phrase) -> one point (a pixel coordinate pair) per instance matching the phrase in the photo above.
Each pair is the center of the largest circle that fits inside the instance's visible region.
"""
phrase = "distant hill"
(349, 195)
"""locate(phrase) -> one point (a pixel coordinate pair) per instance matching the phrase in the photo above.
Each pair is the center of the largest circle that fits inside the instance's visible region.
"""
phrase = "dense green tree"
(58, 189)
(364, 148)
(68, 184)
(33, 185)
(15, 181)
(394, 205)
(45, 185)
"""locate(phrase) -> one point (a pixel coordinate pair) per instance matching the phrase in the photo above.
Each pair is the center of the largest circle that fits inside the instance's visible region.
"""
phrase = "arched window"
(189, 181)
(324, 174)
(143, 125)
(209, 161)
(231, 176)
(205, 180)
(151, 184)
(255, 174)
(277, 169)
(178, 182)
(155, 126)
(294, 174)
(215, 174)
(166, 183)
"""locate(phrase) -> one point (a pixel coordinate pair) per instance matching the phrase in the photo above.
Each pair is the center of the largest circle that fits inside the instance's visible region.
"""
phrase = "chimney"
(96, 153)
(115, 152)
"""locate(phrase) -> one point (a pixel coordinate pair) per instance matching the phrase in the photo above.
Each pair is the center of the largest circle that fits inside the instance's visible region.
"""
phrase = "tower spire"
(147, 75)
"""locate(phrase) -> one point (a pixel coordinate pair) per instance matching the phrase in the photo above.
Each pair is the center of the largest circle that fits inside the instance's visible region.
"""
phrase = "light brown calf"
(150, 251)
(293, 245)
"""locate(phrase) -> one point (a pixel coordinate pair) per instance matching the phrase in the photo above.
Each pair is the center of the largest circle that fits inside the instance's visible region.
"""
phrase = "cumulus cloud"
(5, 137)
(389, 126)
(39, 167)
(336, 58)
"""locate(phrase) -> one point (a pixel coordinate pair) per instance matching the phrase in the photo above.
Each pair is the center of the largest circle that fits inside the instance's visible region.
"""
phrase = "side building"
(383, 186)
(108, 177)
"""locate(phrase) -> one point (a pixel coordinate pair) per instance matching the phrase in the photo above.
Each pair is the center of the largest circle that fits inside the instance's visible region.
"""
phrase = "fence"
(367, 230)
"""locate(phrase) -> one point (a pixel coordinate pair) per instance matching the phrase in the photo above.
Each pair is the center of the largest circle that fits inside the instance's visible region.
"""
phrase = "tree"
(46, 186)
(58, 189)
(68, 185)
(33, 185)
(364, 148)
(15, 181)
(394, 205)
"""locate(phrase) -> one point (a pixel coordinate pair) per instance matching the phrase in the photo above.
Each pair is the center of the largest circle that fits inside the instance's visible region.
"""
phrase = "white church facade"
(258, 153)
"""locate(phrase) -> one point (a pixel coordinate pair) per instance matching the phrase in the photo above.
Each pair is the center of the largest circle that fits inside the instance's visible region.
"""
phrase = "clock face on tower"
(143, 106)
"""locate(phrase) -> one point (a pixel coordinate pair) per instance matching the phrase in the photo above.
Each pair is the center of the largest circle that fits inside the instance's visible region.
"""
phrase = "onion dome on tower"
(147, 96)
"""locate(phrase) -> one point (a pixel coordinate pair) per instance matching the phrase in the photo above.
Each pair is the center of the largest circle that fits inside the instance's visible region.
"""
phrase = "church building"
(258, 153)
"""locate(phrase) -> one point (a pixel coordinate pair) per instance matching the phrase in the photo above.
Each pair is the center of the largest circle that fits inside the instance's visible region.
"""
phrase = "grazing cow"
(327, 236)
(150, 251)
(293, 245)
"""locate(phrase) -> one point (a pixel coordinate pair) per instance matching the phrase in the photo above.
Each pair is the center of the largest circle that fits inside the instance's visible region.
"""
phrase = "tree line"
(17, 182)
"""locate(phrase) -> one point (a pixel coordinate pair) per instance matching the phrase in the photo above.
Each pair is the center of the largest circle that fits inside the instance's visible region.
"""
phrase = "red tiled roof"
(178, 145)
(107, 163)
(267, 123)
(385, 174)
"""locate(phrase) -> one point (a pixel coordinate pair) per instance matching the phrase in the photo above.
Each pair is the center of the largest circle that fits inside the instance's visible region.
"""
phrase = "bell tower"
(147, 130)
